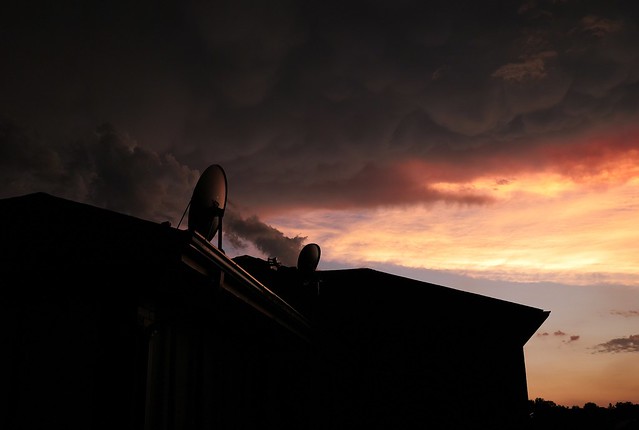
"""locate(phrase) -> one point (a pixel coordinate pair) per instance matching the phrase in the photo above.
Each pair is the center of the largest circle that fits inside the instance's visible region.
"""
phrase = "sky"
(487, 146)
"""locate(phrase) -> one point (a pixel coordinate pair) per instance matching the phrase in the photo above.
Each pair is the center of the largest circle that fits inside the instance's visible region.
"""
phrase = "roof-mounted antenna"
(207, 204)
(308, 259)
(307, 262)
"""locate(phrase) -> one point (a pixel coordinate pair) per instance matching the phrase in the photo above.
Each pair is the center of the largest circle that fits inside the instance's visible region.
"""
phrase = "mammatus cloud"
(600, 27)
(600, 158)
(530, 68)
(621, 344)
(309, 102)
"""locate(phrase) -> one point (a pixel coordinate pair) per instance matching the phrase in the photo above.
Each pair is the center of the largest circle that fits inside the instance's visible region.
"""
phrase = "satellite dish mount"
(207, 204)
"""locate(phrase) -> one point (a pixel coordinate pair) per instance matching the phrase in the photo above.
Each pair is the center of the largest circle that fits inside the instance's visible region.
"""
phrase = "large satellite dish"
(308, 259)
(208, 202)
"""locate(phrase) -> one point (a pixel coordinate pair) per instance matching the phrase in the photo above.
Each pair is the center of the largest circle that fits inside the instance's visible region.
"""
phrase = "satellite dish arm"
(184, 213)
(219, 235)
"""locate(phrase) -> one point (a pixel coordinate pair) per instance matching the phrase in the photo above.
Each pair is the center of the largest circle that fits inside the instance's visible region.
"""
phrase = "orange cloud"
(602, 158)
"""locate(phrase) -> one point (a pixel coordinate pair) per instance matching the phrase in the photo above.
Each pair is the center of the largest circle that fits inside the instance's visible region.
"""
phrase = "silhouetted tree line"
(547, 415)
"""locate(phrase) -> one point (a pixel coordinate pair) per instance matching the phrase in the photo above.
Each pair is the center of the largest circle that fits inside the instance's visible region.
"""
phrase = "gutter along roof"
(201, 255)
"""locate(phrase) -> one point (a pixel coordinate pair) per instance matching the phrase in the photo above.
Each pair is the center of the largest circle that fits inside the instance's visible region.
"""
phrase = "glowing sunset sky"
(491, 147)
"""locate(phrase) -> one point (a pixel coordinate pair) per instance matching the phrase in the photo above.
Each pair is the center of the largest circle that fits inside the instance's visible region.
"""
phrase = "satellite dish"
(309, 258)
(208, 202)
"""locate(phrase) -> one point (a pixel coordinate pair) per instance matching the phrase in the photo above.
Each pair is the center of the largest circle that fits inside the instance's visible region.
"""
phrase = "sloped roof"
(52, 245)
(41, 230)
(412, 300)
(347, 297)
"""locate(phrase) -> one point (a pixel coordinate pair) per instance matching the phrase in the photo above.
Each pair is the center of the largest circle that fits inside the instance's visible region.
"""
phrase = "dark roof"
(45, 231)
(341, 299)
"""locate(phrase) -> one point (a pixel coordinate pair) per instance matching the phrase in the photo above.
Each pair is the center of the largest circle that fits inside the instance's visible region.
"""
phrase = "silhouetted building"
(110, 321)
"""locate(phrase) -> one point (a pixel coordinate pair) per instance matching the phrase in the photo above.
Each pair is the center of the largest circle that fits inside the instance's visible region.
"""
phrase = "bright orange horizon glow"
(539, 228)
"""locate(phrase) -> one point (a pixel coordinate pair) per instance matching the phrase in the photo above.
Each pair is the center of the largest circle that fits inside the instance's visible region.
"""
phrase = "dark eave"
(202, 256)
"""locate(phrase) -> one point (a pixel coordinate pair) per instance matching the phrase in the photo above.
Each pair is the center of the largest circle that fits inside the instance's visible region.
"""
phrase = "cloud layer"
(324, 103)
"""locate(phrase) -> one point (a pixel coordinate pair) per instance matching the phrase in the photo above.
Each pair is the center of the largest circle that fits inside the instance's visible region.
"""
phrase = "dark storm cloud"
(373, 186)
(622, 344)
(376, 83)
(305, 101)
(267, 239)
(108, 169)
(248, 43)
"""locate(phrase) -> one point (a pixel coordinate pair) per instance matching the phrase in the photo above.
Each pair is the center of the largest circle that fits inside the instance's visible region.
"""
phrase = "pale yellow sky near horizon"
(561, 233)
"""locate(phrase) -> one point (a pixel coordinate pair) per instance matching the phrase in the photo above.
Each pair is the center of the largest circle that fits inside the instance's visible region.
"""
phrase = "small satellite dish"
(208, 202)
(309, 258)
